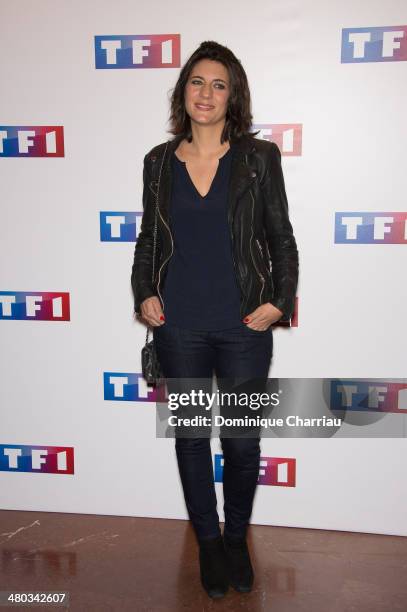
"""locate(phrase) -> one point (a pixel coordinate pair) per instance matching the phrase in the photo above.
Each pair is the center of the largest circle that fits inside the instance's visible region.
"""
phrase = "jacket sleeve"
(141, 274)
(280, 238)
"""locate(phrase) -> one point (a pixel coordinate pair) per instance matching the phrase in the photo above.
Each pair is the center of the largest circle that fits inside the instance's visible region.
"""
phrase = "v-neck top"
(200, 289)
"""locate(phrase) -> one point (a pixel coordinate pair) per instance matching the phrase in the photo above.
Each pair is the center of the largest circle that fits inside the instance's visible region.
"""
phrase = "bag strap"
(155, 223)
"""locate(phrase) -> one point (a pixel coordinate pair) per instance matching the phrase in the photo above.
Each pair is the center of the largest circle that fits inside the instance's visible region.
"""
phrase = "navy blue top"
(200, 289)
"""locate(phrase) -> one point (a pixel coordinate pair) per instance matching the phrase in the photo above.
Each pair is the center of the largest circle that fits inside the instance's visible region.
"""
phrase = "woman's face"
(206, 92)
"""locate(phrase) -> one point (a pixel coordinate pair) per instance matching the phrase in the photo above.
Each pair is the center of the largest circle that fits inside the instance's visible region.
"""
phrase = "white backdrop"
(351, 297)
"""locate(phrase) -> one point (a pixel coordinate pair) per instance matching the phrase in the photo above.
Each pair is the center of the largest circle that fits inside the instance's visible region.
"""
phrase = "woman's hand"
(262, 317)
(151, 311)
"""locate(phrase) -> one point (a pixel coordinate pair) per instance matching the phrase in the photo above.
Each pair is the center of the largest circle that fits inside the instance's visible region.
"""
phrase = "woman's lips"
(203, 107)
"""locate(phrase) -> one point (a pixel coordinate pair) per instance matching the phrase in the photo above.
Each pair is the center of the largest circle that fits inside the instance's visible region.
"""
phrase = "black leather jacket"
(264, 249)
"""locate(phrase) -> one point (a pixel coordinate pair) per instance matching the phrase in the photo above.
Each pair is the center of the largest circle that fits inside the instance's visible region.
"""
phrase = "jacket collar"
(242, 175)
(242, 145)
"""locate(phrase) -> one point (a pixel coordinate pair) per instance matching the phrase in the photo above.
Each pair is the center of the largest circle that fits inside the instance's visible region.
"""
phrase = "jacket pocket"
(153, 185)
(264, 268)
(263, 264)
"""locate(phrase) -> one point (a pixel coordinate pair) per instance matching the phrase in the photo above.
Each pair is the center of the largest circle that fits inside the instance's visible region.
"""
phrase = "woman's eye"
(218, 85)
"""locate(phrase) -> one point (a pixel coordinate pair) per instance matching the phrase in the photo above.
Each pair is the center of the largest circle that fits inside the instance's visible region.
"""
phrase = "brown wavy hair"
(238, 120)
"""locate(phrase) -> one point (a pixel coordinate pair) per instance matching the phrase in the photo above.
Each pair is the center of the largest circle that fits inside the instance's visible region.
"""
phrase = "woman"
(222, 220)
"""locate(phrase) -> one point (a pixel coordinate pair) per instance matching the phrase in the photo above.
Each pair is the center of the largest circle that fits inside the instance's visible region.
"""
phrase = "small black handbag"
(150, 366)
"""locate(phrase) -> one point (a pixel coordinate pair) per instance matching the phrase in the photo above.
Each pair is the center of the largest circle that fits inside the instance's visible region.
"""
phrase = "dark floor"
(109, 563)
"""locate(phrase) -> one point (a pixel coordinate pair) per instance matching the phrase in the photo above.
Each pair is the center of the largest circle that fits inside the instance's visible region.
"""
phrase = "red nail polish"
(162, 318)
(246, 320)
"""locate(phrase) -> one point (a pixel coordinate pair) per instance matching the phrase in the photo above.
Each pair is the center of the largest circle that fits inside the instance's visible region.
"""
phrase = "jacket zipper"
(169, 231)
(251, 251)
(234, 262)
(164, 262)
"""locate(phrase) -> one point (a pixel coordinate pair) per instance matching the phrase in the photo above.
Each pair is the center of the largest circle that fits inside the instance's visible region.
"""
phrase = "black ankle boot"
(213, 566)
(239, 564)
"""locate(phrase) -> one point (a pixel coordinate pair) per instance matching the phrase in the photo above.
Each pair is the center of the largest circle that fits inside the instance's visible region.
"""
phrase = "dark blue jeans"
(236, 352)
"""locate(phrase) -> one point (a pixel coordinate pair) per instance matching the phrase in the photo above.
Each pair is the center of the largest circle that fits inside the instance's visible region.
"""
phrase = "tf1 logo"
(274, 471)
(369, 395)
(131, 387)
(371, 227)
(120, 226)
(44, 459)
(34, 306)
(380, 44)
(137, 51)
(287, 136)
(31, 141)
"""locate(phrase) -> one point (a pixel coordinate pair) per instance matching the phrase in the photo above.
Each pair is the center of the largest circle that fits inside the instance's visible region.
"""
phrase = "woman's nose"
(206, 91)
